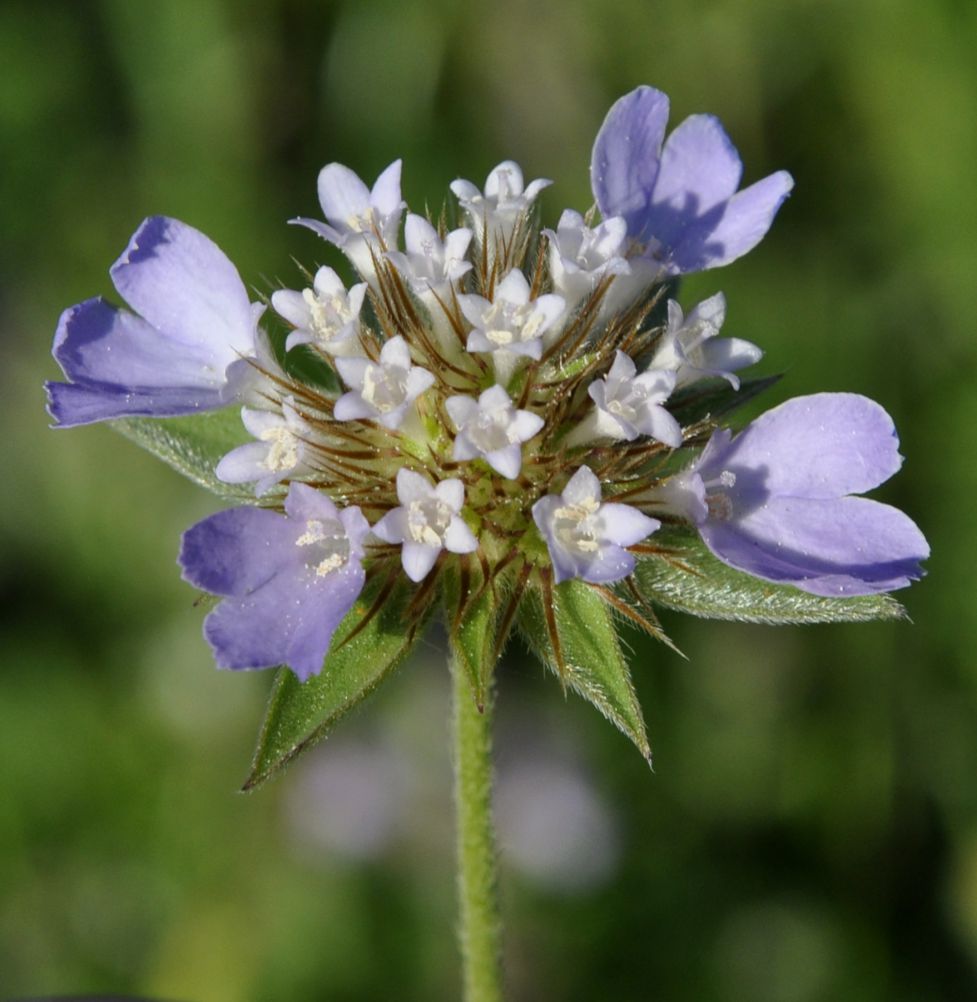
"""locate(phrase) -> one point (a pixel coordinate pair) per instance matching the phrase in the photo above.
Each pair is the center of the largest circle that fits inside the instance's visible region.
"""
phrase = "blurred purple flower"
(196, 321)
(774, 501)
(680, 200)
(288, 580)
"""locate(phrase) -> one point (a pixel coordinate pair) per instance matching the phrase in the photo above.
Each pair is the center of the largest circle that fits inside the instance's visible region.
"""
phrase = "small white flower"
(586, 538)
(689, 346)
(280, 451)
(428, 263)
(325, 316)
(492, 429)
(381, 391)
(628, 405)
(580, 257)
(427, 522)
(359, 221)
(497, 211)
(511, 324)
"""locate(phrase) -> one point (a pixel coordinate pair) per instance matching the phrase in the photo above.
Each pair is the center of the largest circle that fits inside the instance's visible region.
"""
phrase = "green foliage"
(193, 445)
(361, 656)
(578, 641)
(689, 578)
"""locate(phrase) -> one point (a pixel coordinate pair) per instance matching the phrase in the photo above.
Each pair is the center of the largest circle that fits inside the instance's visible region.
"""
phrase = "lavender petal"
(841, 546)
(625, 160)
(818, 446)
(183, 283)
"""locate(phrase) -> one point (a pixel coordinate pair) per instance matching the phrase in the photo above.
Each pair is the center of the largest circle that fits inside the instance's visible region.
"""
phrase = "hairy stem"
(480, 929)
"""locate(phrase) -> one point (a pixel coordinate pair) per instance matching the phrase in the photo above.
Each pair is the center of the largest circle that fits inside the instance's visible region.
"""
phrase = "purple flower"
(288, 580)
(680, 200)
(586, 538)
(196, 320)
(774, 501)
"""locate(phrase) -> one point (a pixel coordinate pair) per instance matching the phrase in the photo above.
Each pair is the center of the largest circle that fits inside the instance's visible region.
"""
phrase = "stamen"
(283, 449)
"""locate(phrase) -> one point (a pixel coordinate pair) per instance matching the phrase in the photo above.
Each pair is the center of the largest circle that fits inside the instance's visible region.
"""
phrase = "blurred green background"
(810, 831)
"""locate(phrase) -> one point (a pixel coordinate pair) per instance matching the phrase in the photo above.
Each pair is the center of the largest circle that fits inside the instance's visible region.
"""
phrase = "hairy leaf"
(589, 657)
(689, 578)
(193, 445)
(361, 657)
(472, 621)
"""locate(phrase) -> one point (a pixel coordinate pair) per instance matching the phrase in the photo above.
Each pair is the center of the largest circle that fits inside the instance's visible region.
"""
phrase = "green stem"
(480, 929)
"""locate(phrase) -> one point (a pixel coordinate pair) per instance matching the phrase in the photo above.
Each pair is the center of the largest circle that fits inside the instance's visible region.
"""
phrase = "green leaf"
(193, 445)
(301, 713)
(693, 580)
(589, 659)
(713, 397)
(472, 630)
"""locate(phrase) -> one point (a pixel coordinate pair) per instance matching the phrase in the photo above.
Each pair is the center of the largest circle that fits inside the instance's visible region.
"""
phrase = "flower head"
(508, 433)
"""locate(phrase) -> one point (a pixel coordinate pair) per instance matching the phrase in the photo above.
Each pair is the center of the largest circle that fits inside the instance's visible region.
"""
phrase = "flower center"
(490, 430)
(283, 449)
(507, 323)
(575, 526)
(329, 315)
(328, 545)
(384, 387)
(589, 256)
(362, 222)
(427, 521)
